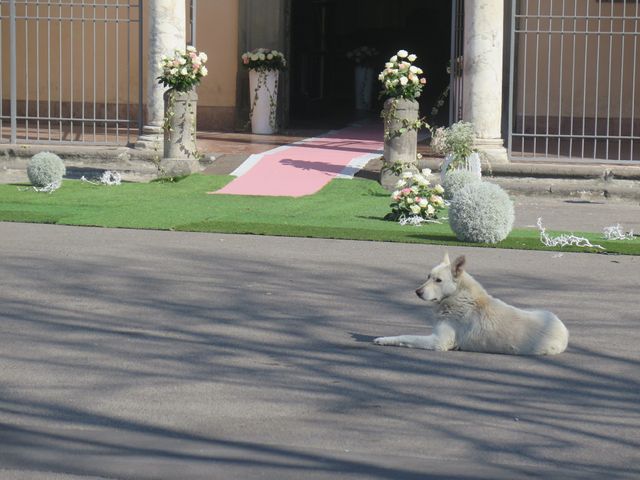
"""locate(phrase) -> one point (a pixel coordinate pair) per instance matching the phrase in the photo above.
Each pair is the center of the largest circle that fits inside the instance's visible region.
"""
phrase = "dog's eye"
(428, 276)
(438, 280)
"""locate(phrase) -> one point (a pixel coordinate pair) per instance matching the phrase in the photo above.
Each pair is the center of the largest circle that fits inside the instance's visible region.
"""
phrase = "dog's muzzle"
(420, 293)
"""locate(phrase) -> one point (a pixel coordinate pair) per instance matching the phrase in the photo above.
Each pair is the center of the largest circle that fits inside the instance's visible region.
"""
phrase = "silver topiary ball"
(481, 213)
(45, 168)
(455, 180)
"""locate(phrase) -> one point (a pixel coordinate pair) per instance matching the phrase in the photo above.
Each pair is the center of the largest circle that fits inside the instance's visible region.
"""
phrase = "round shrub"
(455, 180)
(481, 212)
(45, 168)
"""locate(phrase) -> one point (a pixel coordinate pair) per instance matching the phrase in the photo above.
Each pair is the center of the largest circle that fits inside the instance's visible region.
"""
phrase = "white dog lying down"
(468, 318)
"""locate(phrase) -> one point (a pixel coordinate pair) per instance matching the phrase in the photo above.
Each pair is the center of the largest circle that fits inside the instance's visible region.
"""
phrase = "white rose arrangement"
(264, 59)
(416, 196)
(400, 78)
(184, 70)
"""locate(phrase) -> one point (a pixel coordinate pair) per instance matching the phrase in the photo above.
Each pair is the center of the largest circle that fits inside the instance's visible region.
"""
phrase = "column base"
(492, 150)
(152, 138)
(178, 167)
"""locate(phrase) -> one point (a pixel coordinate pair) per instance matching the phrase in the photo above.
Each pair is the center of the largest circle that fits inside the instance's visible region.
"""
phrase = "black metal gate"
(71, 71)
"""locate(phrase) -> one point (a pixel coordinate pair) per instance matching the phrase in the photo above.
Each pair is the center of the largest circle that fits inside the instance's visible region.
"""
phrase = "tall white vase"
(263, 94)
(363, 84)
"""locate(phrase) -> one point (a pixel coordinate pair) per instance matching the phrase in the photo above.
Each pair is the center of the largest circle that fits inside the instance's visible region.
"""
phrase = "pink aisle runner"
(304, 167)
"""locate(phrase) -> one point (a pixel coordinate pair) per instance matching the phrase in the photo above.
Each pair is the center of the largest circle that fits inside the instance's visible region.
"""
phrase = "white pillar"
(167, 26)
(482, 96)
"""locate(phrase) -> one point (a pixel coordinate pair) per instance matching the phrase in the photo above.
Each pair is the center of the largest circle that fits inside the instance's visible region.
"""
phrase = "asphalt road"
(144, 355)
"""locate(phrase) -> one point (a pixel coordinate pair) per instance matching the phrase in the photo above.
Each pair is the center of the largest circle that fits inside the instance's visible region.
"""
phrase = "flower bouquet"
(415, 196)
(184, 70)
(264, 66)
(400, 78)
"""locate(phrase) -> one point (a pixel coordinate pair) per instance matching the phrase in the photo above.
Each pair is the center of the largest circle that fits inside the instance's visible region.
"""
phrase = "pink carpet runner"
(304, 167)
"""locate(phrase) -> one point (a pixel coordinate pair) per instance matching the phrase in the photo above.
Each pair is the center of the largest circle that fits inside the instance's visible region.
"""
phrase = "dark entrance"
(324, 31)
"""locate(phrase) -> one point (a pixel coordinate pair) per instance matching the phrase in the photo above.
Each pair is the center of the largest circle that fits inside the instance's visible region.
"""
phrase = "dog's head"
(442, 281)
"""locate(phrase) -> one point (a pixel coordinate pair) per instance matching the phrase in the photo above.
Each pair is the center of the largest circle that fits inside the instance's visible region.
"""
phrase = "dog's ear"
(458, 263)
(446, 260)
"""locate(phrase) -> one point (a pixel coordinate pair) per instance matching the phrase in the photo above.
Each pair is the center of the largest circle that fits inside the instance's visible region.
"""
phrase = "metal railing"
(456, 61)
(74, 70)
(574, 80)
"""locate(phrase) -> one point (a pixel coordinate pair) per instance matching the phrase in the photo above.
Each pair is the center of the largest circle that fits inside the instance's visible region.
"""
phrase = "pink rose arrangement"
(416, 196)
(183, 70)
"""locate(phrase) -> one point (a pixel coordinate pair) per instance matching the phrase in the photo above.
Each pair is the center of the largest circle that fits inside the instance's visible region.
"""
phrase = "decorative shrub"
(45, 168)
(455, 180)
(481, 212)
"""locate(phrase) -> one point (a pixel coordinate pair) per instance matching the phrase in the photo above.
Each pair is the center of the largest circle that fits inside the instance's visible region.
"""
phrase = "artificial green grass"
(344, 209)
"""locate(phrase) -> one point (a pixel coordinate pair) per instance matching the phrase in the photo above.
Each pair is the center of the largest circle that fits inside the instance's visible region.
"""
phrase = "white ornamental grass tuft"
(44, 169)
(481, 212)
(455, 180)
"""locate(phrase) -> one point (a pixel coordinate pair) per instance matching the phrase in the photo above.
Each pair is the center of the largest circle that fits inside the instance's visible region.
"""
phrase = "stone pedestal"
(401, 148)
(180, 149)
(482, 95)
(166, 33)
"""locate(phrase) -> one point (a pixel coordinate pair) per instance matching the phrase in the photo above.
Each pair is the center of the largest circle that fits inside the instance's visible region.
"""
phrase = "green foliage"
(455, 180)
(481, 212)
(45, 168)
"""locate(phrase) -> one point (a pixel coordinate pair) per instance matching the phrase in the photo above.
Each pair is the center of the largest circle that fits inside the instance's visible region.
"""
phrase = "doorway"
(323, 32)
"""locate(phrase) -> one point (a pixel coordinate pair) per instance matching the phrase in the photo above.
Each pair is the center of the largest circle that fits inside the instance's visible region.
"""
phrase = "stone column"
(482, 95)
(167, 25)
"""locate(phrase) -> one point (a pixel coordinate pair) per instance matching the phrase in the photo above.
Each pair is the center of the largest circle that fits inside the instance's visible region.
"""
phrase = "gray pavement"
(143, 355)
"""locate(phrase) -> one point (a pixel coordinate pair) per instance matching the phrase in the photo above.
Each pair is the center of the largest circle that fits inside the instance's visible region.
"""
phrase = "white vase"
(263, 95)
(471, 163)
(363, 85)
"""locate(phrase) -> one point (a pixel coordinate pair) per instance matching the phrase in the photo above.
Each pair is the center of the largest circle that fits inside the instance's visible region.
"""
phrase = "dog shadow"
(360, 338)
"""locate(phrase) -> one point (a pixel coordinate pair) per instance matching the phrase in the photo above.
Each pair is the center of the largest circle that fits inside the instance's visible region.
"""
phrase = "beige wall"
(72, 72)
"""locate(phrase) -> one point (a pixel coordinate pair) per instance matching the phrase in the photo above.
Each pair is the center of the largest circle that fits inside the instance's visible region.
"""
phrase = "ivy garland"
(169, 115)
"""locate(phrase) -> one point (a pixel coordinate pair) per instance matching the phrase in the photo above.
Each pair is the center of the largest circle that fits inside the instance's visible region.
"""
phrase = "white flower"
(203, 57)
(436, 199)
(423, 202)
(407, 174)
(261, 56)
(412, 58)
(438, 189)
(183, 71)
(182, 60)
(388, 65)
(381, 77)
(173, 71)
(401, 183)
(415, 209)
(403, 80)
(254, 57)
(204, 71)
(426, 171)
(394, 59)
(191, 48)
(430, 210)
(413, 69)
(402, 53)
(269, 56)
(410, 201)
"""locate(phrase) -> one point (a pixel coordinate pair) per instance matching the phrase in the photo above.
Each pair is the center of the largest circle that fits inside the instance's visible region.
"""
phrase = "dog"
(469, 319)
